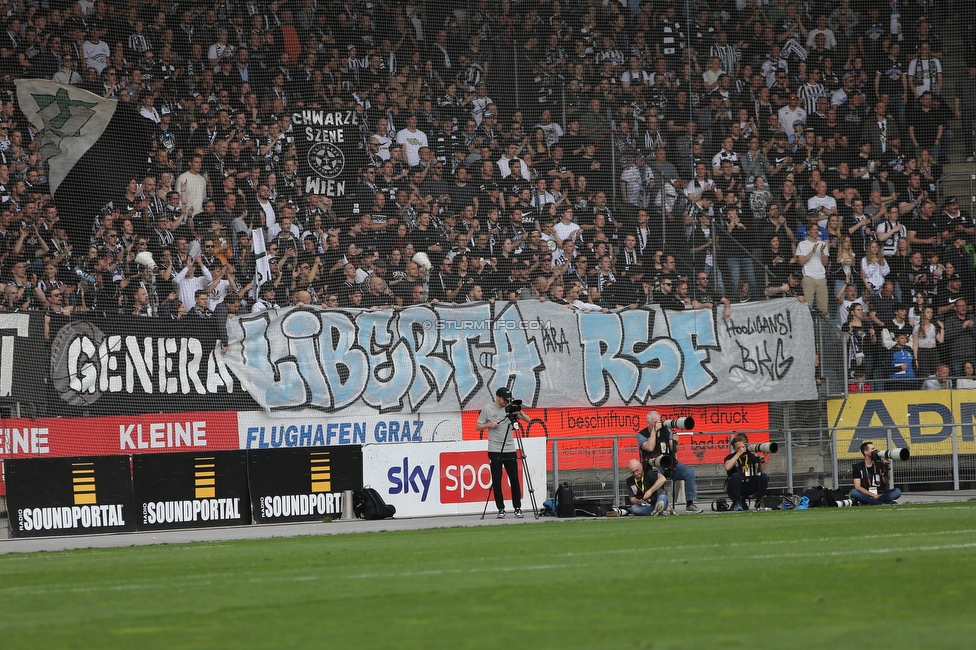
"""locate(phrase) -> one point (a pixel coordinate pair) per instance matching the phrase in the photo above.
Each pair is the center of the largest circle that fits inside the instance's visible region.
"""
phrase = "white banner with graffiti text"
(452, 358)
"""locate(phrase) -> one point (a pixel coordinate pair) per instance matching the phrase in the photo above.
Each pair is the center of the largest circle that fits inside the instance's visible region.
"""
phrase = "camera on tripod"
(898, 453)
(513, 406)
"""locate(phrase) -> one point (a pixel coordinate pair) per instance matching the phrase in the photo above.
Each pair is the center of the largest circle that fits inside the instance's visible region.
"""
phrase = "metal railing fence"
(943, 456)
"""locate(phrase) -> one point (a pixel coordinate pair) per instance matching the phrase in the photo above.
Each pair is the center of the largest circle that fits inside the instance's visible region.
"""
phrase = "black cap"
(503, 392)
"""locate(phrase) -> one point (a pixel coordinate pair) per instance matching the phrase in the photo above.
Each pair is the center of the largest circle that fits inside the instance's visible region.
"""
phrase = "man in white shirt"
(826, 204)
(266, 299)
(97, 54)
(220, 51)
(67, 74)
(925, 72)
(192, 186)
(265, 208)
(505, 162)
(381, 138)
(412, 139)
(188, 283)
(566, 228)
(792, 113)
(814, 255)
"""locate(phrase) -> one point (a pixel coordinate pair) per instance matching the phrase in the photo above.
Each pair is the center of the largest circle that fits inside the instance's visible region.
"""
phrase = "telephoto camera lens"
(764, 448)
(664, 462)
(898, 453)
(683, 424)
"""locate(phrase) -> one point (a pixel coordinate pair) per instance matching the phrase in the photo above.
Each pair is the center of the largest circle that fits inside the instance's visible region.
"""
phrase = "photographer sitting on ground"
(746, 475)
(871, 479)
(663, 442)
(501, 449)
(645, 489)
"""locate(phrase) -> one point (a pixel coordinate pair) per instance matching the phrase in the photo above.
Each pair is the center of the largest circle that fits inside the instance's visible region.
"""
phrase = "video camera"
(763, 448)
(682, 424)
(513, 406)
(898, 453)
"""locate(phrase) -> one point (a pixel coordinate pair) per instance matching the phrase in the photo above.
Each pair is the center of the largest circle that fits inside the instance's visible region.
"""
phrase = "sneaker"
(658, 508)
(501, 514)
(738, 507)
(518, 513)
(692, 507)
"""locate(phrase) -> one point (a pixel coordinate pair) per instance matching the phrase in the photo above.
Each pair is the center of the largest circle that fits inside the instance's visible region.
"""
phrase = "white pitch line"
(496, 569)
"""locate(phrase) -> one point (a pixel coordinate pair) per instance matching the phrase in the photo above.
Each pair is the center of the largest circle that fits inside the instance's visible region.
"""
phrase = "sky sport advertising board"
(446, 478)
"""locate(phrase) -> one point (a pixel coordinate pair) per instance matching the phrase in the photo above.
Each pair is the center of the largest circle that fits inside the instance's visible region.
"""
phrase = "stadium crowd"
(597, 155)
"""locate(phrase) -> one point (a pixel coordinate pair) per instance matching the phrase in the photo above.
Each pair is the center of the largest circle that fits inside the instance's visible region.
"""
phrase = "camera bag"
(565, 501)
(593, 507)
(821, 497)
(368, 504)
(779, 502)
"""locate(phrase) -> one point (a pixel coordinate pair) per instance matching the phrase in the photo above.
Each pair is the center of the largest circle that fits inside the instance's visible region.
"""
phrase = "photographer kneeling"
(501, 448)
(657, 439)
(745, 473)
(871, 479)
(645, 489)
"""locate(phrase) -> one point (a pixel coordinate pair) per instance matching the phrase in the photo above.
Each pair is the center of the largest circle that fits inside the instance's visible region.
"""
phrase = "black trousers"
(752, 486)
(510, 461)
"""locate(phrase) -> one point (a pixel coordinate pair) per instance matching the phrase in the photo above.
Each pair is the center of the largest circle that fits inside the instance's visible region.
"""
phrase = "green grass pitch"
(886, 577)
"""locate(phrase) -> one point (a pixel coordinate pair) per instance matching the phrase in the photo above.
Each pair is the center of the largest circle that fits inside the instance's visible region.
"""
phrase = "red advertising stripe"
(114, 435)
(573, 426)
(465, 477)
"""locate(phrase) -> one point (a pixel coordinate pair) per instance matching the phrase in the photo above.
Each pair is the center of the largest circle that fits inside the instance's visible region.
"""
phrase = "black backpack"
(368, 504)
(821, 497)
(565, 501)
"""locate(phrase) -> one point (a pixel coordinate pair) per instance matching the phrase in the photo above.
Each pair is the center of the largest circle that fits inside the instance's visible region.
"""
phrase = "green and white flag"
(70, 121)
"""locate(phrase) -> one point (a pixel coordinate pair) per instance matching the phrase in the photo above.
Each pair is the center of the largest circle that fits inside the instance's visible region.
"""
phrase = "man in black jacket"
(871, 479)
(745, 473)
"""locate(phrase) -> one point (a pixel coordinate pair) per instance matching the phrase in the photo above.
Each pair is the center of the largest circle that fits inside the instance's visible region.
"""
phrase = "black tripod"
(520, 454)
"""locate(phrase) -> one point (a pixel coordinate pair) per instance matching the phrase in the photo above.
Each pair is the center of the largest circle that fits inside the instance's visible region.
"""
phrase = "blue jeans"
(739, 267)
(680, 472)
(883, 498)
(642, 510)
